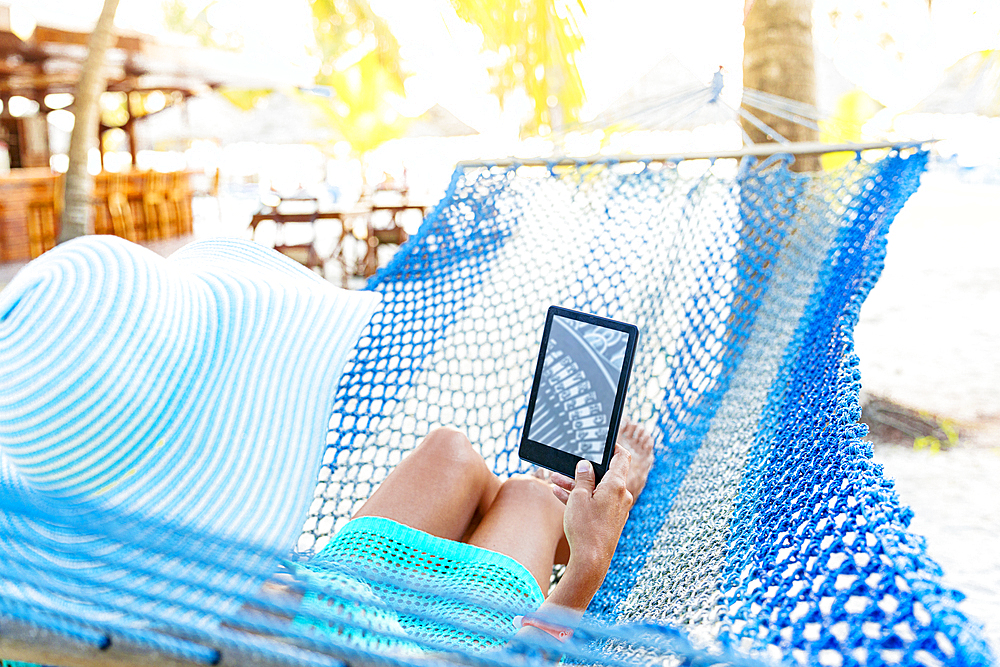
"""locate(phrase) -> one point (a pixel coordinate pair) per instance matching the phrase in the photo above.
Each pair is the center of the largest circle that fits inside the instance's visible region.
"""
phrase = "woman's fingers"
(563, 486)
(595, 517)
(561, 493)
(586, 480)
(563, 481)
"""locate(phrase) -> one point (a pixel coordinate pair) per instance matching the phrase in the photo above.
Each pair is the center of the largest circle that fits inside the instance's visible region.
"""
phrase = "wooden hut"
(40, 64)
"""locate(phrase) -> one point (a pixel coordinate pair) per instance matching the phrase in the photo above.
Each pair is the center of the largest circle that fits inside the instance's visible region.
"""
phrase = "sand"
(957, 509)
(928, 340)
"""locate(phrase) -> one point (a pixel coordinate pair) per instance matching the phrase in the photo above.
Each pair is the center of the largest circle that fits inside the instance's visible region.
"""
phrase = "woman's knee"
(532, 494)
(450, 447)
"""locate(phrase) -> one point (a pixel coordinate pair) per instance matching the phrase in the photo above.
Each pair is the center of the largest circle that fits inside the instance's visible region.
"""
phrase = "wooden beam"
(29, 643)
(45, 34)
(42, 83)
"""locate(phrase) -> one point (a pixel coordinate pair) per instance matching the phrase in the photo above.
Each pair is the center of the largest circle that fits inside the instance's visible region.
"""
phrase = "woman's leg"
(524, 522)
(443, 487)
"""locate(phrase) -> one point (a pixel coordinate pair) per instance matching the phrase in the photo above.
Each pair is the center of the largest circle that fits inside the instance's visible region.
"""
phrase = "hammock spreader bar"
(756, 150)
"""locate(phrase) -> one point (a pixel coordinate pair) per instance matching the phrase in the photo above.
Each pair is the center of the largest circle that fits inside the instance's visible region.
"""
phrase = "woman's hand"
(594, 519)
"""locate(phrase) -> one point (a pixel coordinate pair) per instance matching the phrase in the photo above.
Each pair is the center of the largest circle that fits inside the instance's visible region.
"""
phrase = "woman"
(443, 522)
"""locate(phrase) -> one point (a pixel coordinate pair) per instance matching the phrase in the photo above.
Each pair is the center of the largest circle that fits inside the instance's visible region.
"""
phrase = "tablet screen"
(576, 396)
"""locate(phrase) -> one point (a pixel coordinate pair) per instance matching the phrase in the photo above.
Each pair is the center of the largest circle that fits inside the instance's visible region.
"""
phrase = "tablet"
(576, 400)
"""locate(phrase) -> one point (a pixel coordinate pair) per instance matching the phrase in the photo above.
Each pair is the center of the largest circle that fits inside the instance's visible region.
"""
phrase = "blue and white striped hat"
(194, 390)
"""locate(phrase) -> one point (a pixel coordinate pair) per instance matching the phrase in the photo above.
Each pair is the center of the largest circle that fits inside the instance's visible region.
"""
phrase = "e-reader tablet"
(583, 368)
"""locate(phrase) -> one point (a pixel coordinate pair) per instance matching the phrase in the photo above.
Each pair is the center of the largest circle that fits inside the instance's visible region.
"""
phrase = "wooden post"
(129, 127)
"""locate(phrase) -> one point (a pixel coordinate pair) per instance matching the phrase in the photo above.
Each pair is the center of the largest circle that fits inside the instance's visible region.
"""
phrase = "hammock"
(765, 532)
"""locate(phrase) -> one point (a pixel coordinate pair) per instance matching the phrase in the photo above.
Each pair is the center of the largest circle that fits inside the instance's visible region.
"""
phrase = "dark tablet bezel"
(556, 459)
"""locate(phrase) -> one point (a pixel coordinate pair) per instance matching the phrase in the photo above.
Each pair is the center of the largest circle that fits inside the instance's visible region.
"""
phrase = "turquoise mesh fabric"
(446, 592)
(765, 532)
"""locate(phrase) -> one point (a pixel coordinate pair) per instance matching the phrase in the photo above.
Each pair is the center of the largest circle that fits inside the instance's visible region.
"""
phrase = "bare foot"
(634, 438)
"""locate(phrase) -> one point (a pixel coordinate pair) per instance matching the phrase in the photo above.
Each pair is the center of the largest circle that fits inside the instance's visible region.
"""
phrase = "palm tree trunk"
(778, 59)
(79, 183)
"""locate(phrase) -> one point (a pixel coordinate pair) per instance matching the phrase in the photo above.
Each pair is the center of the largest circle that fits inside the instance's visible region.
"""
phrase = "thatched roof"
(971, 85)
(50, 60)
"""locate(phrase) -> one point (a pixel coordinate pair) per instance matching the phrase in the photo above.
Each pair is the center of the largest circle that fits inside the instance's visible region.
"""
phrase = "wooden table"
(359, 223)
(309, 253)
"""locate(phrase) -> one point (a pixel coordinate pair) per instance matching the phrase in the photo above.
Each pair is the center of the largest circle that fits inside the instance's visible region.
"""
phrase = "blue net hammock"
(765, 535)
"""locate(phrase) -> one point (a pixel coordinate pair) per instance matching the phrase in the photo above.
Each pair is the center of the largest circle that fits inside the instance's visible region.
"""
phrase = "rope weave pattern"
(764, 528)
(438, 577)
(746, 284)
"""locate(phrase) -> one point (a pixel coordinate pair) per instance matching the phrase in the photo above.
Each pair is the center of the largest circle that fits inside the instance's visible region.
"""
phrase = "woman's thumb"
(585, 478)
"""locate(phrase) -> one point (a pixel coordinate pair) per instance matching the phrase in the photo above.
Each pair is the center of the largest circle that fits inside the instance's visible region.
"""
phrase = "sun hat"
(192, 392)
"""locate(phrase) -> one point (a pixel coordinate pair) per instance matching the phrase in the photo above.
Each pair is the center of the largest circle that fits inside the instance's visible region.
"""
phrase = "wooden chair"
(178, 197)
(307, 212)
(351, 249)
(159, 219)
(385, 228)
(42, 213)
(303, 252)
(41, 226)
(122, 220)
